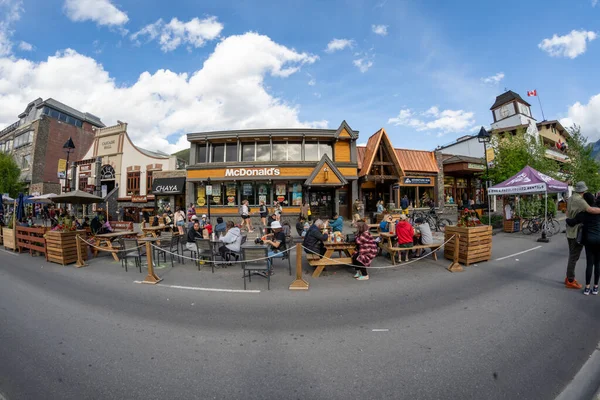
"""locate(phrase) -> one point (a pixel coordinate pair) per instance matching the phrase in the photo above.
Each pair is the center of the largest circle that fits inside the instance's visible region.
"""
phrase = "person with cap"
(575, 205)
(276, 242)
(404, 234)
(203, 221)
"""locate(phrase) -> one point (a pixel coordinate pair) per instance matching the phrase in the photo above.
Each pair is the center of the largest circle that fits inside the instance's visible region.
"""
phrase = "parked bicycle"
(538, 224)
(432, 218)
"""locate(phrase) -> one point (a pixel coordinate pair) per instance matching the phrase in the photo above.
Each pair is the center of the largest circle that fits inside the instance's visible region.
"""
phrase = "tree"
(9, 175)
(513, 152)
(582, 166)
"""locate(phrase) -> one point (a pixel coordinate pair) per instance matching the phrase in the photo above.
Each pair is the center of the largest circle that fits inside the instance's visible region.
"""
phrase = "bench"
(321, 263)
(32, 239)
(121, 226)
(395, 250)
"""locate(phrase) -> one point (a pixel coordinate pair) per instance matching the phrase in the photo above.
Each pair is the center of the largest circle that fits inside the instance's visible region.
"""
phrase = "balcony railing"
(556, 155)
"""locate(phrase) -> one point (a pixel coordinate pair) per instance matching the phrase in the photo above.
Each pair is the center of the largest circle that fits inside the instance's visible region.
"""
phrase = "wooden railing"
(32, 239)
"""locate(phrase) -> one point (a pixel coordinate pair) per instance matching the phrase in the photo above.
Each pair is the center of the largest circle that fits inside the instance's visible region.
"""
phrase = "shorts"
(262, 215)
(405, 245)
(180, 223)
(245, 216)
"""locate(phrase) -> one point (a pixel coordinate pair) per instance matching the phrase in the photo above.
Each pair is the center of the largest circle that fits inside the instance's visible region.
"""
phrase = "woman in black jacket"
(591, 241)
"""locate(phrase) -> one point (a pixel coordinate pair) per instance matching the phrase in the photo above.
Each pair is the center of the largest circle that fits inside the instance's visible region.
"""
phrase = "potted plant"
(61, 242)
(475, 239)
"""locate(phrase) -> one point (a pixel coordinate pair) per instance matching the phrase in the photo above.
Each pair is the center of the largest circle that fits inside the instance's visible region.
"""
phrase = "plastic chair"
(130, 249)
(259, 267)
(169, 244)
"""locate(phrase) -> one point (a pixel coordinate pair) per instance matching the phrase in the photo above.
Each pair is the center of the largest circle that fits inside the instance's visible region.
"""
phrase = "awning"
(168, 186)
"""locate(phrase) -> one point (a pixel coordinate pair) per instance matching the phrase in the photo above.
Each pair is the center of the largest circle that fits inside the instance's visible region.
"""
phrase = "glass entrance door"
(321, 203)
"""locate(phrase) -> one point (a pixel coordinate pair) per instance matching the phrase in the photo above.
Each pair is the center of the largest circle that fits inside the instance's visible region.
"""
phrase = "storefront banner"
(407, 180)
(475, 166)
(62, 166)
(535, 188)
(280, 189)
(162, 186)
(247, 189)
(139, 199)
(296, 199)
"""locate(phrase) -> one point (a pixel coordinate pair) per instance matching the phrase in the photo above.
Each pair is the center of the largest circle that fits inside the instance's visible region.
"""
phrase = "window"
(311, 151)
(133, 183)
(287, 151)
(280, 151)
(218, 152)
(62, 117)
(263, 151)
(325, 148)
(216, 199)
(294, 151)
(201, 153)
(231, 152)
(248, 151)
(149, 182)
(248, 192)
(23, 139)
(26, 161)
(263, 193)
(83, 180)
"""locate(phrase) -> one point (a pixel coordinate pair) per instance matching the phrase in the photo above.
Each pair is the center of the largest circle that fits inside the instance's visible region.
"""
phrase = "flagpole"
(540, 101)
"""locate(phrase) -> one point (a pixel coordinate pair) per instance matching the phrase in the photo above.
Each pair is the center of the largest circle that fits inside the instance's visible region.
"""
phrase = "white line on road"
(380, 330)
(516, 254)
(12, 254)
(205, 289)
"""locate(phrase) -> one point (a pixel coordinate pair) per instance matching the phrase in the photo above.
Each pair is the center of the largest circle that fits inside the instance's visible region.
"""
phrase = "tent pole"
(544, 238)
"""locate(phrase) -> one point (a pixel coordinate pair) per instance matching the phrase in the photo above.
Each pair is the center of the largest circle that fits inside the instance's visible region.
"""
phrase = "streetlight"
(485, 137)
(208, 194)
(68, 147)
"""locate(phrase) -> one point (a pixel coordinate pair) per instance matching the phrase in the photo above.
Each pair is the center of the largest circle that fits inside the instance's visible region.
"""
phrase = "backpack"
(240, 209)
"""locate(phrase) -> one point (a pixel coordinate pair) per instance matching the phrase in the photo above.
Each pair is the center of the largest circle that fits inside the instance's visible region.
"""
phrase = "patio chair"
(236, 254)
(129, 248)
(205, 252)
(169, 244)
(286, 255)
(260, 267)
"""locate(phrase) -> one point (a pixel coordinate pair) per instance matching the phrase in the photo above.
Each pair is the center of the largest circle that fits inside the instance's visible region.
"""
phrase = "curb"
(586, 382)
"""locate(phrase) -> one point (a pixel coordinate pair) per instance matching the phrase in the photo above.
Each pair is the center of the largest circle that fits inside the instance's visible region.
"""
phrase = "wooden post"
(151, 279)
(299, 283)
(455, 266)
(80, 263)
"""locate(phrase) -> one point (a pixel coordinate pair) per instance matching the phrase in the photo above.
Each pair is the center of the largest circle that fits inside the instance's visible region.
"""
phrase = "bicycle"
(549, 224)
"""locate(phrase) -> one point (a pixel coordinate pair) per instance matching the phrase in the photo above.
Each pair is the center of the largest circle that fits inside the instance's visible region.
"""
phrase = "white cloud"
(587, 116)
(571, 45)
(594, 3)
(228, 92)
(10, 10)
(441, 121)
(339, 44)
(102, 12)
(25, 46)
(363, 64)
(196, 32)
(317, 95)
(380, 29)
(494, 79)
(312, 82)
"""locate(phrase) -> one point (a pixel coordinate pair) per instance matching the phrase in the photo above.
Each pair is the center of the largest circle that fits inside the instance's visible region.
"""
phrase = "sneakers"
(573, 285)
(586, 291)
(595, 290)
(363, 278)
(357, 275)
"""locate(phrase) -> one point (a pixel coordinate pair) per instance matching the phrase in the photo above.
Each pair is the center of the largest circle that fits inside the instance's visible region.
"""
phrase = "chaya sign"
(409, 180)
(252, 172)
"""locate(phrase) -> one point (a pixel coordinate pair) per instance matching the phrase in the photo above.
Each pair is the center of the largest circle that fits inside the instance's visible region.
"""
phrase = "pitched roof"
(325, 160)
(452, 159)
(508, 97)
(360, 154)
(379, 138)
(417, 160)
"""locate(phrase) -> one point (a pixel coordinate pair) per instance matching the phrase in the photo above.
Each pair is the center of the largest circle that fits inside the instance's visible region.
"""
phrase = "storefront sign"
(108, 144)
(408, 180)
(85, 168)
(162, 186)
(475, 166)
(139, 199)
(209, 190)
(62, 166)
(252, 172)
(395, 186)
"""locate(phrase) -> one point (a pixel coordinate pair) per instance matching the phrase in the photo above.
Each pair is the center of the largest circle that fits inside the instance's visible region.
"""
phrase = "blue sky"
(425, 71)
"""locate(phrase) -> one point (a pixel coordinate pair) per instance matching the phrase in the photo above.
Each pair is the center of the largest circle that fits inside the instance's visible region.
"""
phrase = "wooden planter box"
(61, 246)
(475, 243)
(9, 238)
(513, 225)
(31, 239)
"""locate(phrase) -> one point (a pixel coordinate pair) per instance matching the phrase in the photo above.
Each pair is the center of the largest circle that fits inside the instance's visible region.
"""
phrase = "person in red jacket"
(404, 233)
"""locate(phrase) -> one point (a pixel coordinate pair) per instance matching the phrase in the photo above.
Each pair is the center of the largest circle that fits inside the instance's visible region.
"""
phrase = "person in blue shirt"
(404, 203)
(337, 223)
(384, 225)
(380, 207)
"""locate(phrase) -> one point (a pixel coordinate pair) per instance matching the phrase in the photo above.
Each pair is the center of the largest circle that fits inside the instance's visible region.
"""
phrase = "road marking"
(380, 330)
(12, 254)
(516, 254)
(201, 289)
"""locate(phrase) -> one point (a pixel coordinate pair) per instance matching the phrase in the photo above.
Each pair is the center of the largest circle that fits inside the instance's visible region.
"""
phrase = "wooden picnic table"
(106, 239)
(331, 247)
(154, 230)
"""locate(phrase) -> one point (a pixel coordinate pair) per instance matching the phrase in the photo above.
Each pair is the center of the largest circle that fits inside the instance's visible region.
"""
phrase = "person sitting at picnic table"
(232, 241)
(404, 234)
(314, 239)
(86, 223)
(203, 221)
(154, 221)
(366, 251)
(337, 223)
(425, 229)
(106, 228)
(167, 219)
(300, 225)
(221, 227)
(384, 225)
(276, 242)
(95, 225)
(207, 227)
(192, 235)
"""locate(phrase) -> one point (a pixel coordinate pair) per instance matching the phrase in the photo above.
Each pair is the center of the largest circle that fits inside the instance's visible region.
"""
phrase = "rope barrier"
(104, 248)
(220, 262)
(335, 262)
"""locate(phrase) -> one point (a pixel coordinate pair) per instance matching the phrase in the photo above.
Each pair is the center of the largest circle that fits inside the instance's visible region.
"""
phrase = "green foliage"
(10, 173)
(582, 166)
(514, 152)
(496, 220)
(533, 206)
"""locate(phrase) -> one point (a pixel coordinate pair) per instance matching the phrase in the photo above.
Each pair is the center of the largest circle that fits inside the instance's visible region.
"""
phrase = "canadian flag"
(531, 93)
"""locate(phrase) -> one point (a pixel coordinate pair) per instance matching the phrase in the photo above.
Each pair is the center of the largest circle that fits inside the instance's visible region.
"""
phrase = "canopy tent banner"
(77, 197)
(528, 181)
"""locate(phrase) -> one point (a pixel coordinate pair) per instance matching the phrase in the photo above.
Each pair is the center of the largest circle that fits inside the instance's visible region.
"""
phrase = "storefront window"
(217, 198)
(231, 194)
(294, 151)
(231, 152)
(200, 194)
(218, 152)
(295, 194)
(201, 153)
(281, 193)
(264, 193)
(280, 152)
(263, 152)
(325, 148)
(311, 151)
(248, 151)
(248, 192)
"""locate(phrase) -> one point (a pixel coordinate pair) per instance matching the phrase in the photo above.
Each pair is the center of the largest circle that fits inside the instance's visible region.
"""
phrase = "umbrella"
(7, 199)
(77, 197)
(1, 211)
(43, 199)
(20, 207)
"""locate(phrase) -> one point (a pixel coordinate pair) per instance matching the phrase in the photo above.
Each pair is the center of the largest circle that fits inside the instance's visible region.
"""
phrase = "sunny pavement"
(501, 329)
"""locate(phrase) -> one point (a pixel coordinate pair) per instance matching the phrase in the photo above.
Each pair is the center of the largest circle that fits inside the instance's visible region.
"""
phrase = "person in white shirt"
(426, 235)
(232, 241)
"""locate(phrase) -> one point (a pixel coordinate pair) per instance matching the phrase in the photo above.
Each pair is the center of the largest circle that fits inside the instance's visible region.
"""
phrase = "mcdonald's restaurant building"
(291, 166)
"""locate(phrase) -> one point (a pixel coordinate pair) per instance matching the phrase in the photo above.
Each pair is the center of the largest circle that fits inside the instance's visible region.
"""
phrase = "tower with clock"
(510, 112)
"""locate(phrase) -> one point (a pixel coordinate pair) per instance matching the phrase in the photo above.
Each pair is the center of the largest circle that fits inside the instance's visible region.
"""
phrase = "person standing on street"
(366, 251)
(576, 204)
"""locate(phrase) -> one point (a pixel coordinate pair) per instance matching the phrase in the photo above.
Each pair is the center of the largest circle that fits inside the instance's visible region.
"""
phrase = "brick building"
(37, 138)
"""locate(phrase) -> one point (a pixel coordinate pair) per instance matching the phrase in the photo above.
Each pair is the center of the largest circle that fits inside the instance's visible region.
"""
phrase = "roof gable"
(379, 138)
(344, 131)
(507, 97)
(337, 179)
(417, 160)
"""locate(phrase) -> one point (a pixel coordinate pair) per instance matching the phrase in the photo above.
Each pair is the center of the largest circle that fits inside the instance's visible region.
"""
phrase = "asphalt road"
(500, 330)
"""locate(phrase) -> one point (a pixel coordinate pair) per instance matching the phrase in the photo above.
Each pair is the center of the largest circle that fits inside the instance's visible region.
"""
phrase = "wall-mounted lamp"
(326, 172)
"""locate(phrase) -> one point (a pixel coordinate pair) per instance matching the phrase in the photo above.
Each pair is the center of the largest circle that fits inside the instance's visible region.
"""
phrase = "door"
(343, 203)
(321, 203)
